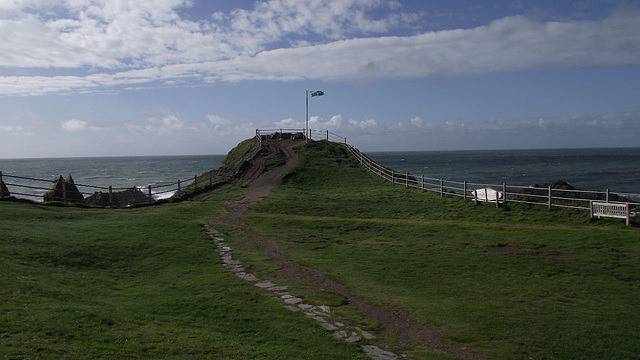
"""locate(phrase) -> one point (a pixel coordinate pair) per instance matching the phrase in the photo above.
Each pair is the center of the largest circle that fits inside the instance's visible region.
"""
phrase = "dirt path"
(397, 322)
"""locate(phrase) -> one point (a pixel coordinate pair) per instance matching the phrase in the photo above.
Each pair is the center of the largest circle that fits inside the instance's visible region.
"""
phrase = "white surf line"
(321, 314)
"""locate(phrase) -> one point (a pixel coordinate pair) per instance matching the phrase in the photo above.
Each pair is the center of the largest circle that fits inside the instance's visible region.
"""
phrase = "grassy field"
(518, 282)
(140, 283)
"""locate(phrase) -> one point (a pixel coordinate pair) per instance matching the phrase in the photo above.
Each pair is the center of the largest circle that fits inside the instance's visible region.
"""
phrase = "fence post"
(504, 193)
(393, 181)
(441, 187)
(64, 191)
(608, 194)
(110, 195)
(628, 214)
(422, 182)
(497, 200)
(327, 135)
(549, 196)
(464, 196)
(1, 183)
(178, 187)
(406, 180)
(150, 198)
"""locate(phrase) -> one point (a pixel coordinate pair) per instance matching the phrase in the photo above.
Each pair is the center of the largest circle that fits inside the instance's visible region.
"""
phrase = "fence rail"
(72, 192)
(109, 196)
(309, 134)
(544, 196)
(547, 196)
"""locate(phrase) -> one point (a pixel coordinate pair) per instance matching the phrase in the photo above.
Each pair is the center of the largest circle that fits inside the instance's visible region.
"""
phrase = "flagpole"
(306, 116)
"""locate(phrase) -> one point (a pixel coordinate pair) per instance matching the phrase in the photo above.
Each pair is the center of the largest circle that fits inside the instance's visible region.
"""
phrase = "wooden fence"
(29, 187)
(308, 134)
(502, 193)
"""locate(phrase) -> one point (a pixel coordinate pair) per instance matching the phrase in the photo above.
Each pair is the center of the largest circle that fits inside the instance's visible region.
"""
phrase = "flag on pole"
(317, 93)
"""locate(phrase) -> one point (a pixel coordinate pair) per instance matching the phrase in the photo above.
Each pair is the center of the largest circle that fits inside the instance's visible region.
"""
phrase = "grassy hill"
(517, 282)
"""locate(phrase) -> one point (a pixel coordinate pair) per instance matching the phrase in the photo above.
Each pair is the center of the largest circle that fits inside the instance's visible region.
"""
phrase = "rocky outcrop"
(557, 184)
(63, 190)
(564, 193)
(4, 191)
(125, 198)
(281, 136)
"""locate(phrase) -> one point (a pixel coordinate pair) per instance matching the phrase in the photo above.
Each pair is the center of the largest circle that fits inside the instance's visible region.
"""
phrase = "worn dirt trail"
(397, 322)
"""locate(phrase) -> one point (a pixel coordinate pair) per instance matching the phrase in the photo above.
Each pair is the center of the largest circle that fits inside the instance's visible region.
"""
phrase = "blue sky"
(177, 77)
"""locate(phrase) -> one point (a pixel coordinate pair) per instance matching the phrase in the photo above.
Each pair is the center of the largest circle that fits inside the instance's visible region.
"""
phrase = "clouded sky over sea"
(169, 77)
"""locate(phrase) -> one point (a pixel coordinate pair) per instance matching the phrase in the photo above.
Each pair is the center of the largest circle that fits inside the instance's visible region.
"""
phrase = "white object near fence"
(487, 195)
(613, 210)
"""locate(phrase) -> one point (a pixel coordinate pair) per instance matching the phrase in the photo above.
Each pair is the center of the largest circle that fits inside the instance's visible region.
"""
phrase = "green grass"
(137, 284)
(569, 290)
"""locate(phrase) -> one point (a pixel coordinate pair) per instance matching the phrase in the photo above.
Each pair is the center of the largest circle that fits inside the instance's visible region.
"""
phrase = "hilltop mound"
(245, 163)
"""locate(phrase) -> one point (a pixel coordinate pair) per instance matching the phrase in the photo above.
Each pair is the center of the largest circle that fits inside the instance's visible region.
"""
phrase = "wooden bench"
(488, 195)
(613, 210)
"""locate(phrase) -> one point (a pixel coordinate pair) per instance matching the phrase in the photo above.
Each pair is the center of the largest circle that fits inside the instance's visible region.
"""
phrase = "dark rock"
(125, 198)
(562, 189)
(4, 191)
(557, 184)
(62, 189)
(288, 136)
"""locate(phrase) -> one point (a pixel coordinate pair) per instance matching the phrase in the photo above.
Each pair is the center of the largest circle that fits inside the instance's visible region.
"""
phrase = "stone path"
(321, 314)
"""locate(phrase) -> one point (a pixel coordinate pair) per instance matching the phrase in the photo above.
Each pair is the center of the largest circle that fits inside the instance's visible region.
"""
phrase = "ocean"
(588, 169)
(617, 169)
(118, 172)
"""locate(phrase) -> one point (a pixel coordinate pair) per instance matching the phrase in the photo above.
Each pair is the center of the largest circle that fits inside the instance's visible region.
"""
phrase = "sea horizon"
(364, 151)
(613, 168)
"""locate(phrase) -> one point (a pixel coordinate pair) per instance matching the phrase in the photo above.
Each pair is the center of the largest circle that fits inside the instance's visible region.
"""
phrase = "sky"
(185, 77)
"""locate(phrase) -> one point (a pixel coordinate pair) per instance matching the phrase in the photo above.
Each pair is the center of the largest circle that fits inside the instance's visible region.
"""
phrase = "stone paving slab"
(353, 339)
(278, 288)
(365, 334)
(293, 300)
(265, 284)
(328, 326)
(245, 276)
(340, 334)
(376, 353)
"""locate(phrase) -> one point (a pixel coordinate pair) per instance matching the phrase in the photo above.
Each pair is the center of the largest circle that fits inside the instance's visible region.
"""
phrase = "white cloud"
(74, 125)
(339, 125)
(159, 122)
(79, 125)
(417, 121)
(289, 123)
(217, 121)
(147, 42)
(14, 130)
